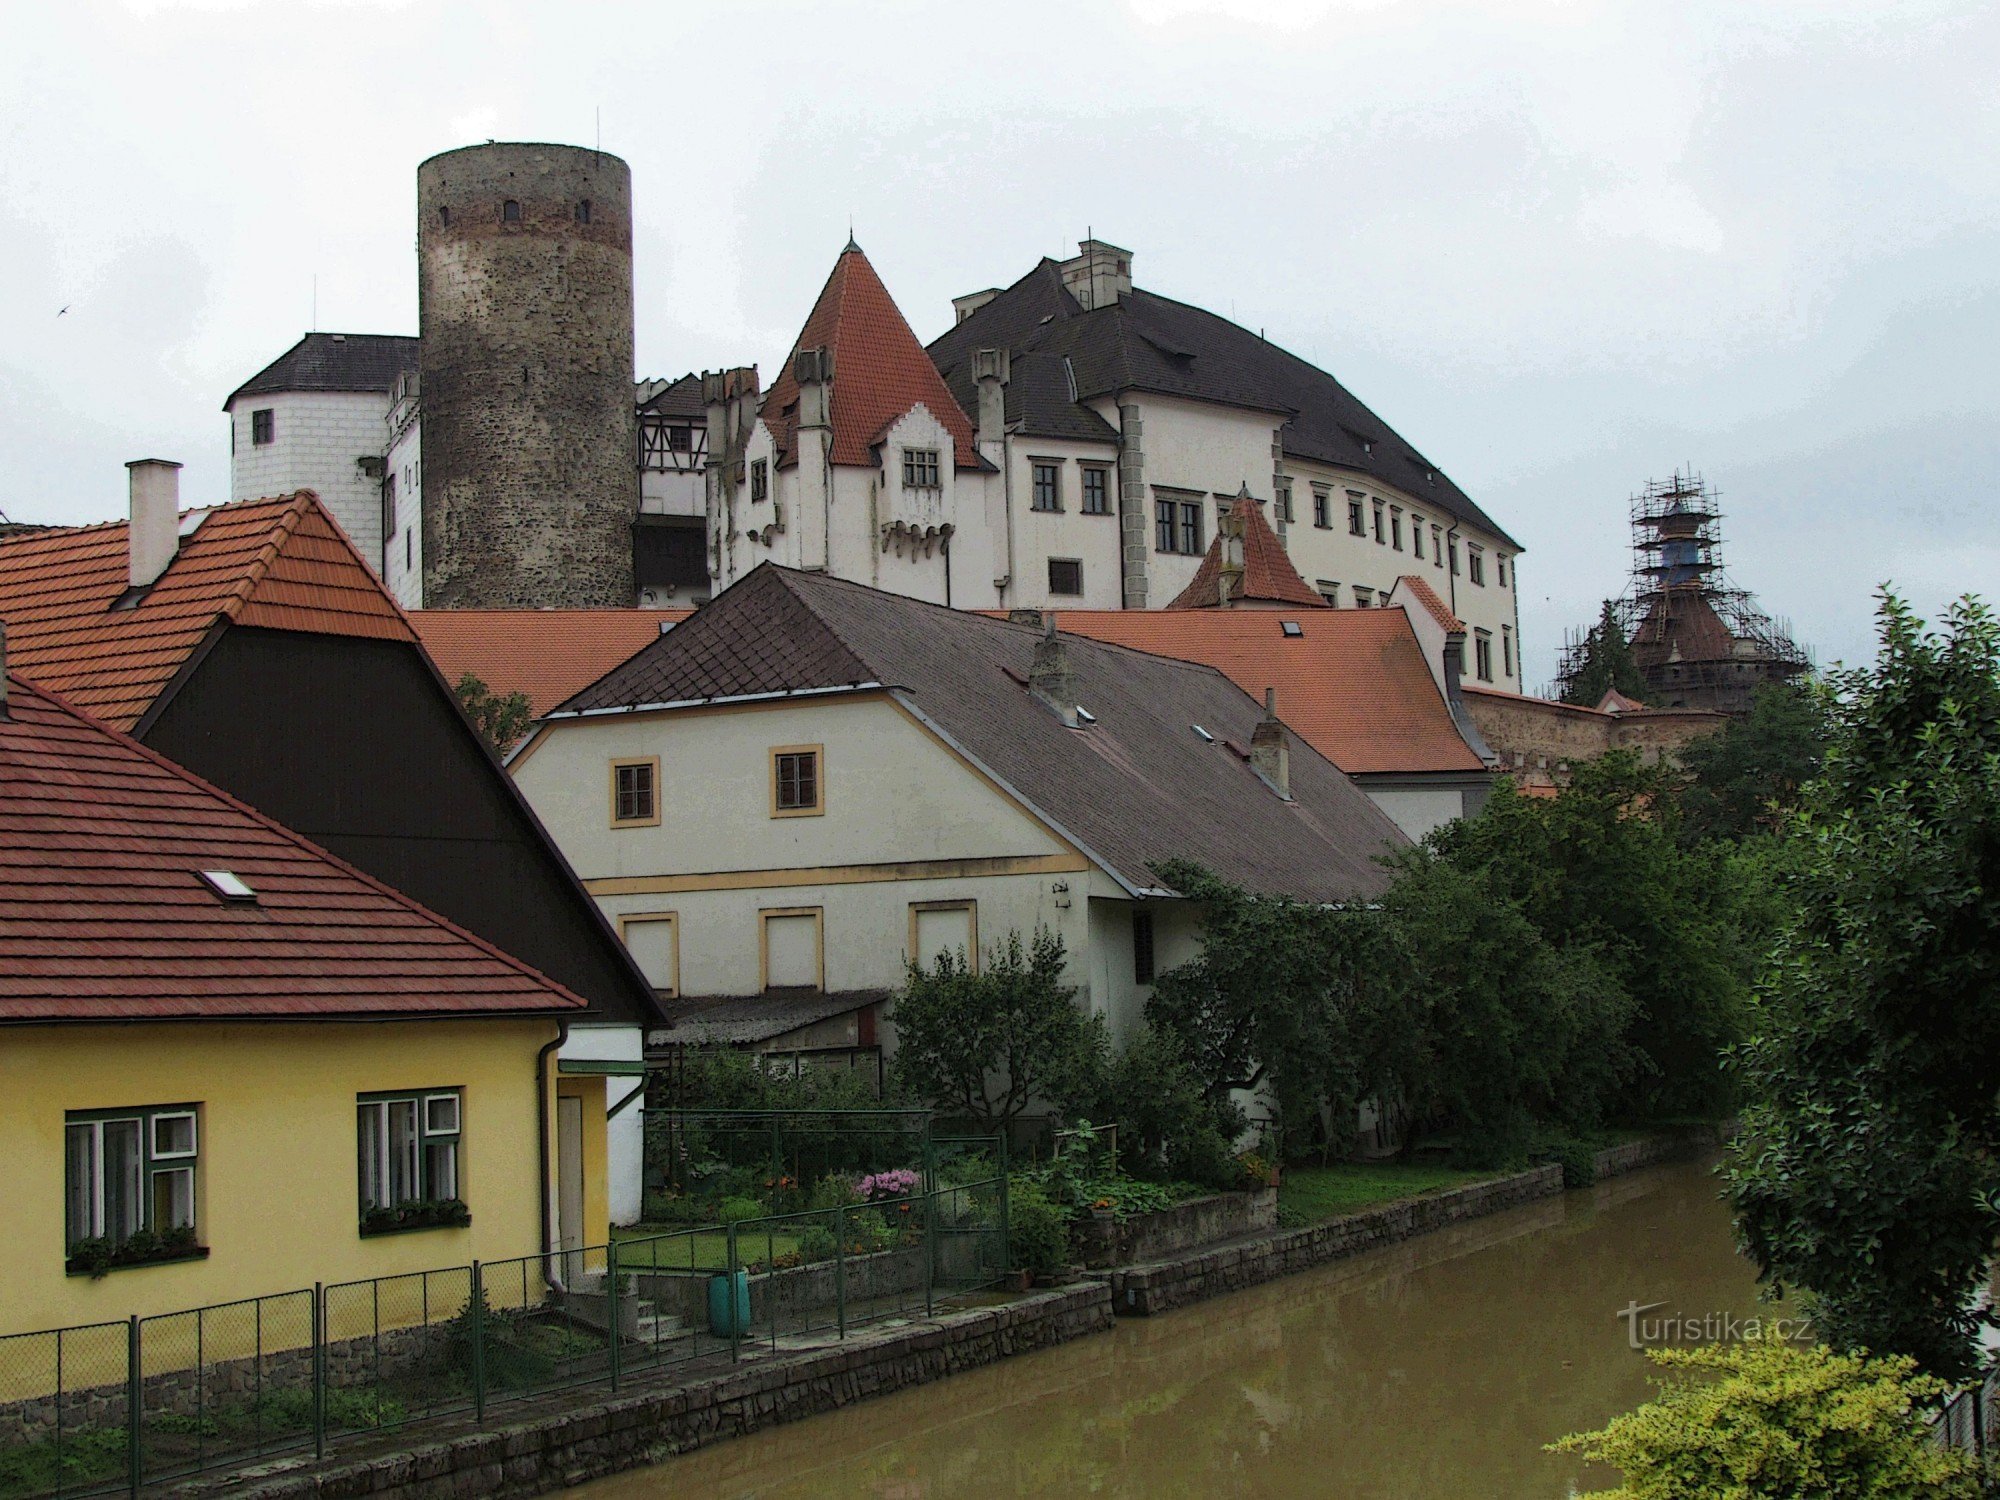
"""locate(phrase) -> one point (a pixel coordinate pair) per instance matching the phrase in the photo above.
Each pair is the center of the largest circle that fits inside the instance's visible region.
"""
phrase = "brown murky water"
(1435, 1369)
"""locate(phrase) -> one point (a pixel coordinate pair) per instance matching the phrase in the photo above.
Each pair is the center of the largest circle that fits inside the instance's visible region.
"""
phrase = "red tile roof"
(549, 654)
(284, 564)
(880, 370)
(1427, 597)
(1268, 576)
(1352, 683)
(104, 915)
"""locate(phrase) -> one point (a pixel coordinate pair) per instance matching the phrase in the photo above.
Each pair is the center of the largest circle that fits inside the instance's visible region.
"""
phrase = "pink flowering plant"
(897, 1182)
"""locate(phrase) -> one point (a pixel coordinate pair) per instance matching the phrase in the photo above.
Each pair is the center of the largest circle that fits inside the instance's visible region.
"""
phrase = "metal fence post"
(611, 1302)
(929, 1201)
(477, 1305)
(134, 1401)
(840, 1268)
(319, 1370)
(729, 1276)
(1006, 1225)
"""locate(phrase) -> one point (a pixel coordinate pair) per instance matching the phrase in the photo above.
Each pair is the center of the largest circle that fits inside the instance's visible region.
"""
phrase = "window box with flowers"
(408, 1154)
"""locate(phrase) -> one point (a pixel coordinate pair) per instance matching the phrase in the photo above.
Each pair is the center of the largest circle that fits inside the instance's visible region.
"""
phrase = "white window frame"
(421, 1101)
(148, 1164)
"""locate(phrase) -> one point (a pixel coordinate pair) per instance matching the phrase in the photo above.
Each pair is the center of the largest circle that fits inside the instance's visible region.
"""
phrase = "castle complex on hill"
(1073, 441)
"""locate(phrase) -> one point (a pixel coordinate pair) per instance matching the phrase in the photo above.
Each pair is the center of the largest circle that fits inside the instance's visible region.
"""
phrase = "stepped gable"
(880, 371)
(105, 913)
(1266, 576)
(283, 564)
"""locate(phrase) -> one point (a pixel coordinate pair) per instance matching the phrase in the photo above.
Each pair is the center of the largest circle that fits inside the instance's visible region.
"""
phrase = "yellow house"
(235, 1066)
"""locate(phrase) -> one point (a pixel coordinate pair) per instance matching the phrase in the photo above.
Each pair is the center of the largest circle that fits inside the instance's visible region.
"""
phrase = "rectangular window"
(1329, 590)
(389, 505)
(1482, 654)
(1284, 502)
(1437, 547)
(1191, 527)
(1356, 525)
(1096, 491)
(760, 480)
(790, 952)
(1363, 598)
(1177, 526)
(409, 549)
(1417, 536)
(1163, 525)
(1500, 569)
(1378, 523)
(920, 469)
(406, 1149)
(635, 792)
(1142, 947)
(796, 788)
(1065, 575)
(1322, 509)
(262, 426)
(1046, 493)
(1475, 564)
(1506, 650)
(1396, 527)
(654, 940)
(941, 927)
(129, 1170)
(1451, 552)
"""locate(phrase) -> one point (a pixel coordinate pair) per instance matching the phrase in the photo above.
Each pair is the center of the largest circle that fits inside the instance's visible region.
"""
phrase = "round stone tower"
(530, 471)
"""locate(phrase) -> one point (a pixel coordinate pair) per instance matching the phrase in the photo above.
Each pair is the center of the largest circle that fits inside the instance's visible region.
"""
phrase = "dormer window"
(920, 469)
(510, 212)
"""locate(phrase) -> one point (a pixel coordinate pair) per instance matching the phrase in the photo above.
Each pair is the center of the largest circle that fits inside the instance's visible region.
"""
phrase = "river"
(1432, 1369)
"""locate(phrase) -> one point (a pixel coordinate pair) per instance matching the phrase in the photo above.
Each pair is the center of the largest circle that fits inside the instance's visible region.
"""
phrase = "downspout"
(944, 546)
(1007, 503)
(550, 1268)
(1451, 563)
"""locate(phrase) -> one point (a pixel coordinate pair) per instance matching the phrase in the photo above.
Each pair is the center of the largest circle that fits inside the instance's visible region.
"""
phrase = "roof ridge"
(175, 768)
(246, 585)
(785, 577)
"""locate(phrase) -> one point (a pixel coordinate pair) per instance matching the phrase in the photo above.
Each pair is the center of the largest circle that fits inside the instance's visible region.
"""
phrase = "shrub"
(1038, 1236)
(817, 1243)
(739, 1210)
(1577, 1156)
(897, 1182)
(835, 1190)
(1167, 1129)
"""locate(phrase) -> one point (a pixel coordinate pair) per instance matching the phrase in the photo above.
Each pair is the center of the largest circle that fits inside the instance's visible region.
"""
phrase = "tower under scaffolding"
(1699, 641)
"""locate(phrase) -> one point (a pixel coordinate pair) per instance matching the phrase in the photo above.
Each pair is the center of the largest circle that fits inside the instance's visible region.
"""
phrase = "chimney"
(1020, 616)
(990, 370)
(1049, 676)
(1270, 755)
(1100, 275)
(813, 370)
(155, 533)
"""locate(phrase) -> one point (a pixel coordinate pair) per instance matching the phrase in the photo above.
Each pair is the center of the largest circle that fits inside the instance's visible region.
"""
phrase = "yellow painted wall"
(596, 1179)
(278, 1193)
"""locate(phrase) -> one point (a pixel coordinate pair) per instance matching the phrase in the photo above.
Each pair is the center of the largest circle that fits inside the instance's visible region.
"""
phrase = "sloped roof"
(1268, 576)
(1146, 342)
(1352, 683)
(880, 370)
(741, 1019)
(1140, 784)
(1427, 596)
(334, 362)
(549, 654)
(104, 914)
(284, 564)
(680, 398)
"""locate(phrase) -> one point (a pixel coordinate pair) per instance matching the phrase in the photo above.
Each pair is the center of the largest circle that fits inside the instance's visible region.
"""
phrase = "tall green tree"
(1869, 1159)
(500, 718)
(1607, 663)
(1746, 778)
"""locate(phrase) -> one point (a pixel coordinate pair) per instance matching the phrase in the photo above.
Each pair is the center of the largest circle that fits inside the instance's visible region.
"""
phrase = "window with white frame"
(1475, 563)
(920, 469)
(128, 1170)
(1506, 650)
(1380, 535)
(1396, 527)
(1416, 536)
(1322, 508)
(1482, 654)
(1356, 524)
(407, 1147)
(1283, 504)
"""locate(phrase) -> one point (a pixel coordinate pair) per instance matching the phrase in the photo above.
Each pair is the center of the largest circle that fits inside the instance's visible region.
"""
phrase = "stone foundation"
(1165, 1232)
(1653, 1150)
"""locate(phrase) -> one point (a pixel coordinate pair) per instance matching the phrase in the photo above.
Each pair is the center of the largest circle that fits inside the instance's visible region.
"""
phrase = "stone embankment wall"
(547, 1450)
(1140, 1291)
(1183, 1226)
(1653, 1150)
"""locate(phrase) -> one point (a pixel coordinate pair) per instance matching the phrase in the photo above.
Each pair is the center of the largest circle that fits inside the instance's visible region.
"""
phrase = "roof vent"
(1292, 629)
(1206, 736)
(1084, 715)
(228, 885)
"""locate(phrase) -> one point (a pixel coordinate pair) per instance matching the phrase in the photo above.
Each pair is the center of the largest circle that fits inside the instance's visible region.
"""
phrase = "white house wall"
(1040, 535)
(317, 440)
(1418, 810)
(625, 1132)
(403, 555)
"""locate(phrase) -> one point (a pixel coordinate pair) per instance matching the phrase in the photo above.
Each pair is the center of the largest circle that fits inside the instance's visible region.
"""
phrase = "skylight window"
(1206, 736)
(228, 885)
(1292, 628)
(1085, 714)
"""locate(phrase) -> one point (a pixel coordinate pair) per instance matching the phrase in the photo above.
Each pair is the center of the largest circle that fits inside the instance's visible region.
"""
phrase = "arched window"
(583, 211)
(510, 212)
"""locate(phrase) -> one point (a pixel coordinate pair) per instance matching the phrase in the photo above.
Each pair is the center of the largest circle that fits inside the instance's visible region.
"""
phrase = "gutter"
(643, 708)
(550, 1267)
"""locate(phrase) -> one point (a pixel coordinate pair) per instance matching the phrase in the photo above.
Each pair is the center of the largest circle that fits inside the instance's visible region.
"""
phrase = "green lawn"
(1315, 1193)
(697, 1250)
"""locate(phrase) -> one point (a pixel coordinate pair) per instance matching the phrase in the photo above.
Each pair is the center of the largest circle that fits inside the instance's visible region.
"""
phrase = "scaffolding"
(1698, 639)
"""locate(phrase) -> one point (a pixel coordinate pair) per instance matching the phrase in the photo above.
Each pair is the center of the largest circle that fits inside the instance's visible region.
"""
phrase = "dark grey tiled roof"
(681, 399)
(1150, 343)
(1138, 786)
(334, 362)
(737, 1019)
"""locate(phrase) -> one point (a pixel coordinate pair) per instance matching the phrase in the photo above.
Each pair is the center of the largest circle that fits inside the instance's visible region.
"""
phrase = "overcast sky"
(1562, 248)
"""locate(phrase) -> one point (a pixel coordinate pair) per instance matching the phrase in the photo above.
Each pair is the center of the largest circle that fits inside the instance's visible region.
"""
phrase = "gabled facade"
(210, 1030)
(251, 644)
(808, 782)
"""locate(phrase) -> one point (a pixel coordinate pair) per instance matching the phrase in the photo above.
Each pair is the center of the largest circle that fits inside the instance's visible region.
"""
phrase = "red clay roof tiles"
(1268, 576)
(104, 915)
(880, 370)
(283, 564)
(549, 654)
(1425, 595)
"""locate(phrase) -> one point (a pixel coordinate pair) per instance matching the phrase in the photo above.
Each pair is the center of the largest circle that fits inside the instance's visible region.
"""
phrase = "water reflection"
(1437, 1368)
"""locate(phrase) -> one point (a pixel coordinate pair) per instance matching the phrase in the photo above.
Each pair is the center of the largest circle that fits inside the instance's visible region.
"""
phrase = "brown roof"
(1268, 576)
(549, 654)
(1153, 777)
(104, 914)
(880, 370)
(1425, 595)
(284, 564)
(1352, 683)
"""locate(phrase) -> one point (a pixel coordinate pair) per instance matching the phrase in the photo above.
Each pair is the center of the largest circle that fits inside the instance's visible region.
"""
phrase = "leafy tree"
(1775, 1419)
(988, 1045)
(1746, 777)
(1601, 869)
(1869, 1158)
(500, 720)
(1607, 662)
(1168, 1129)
